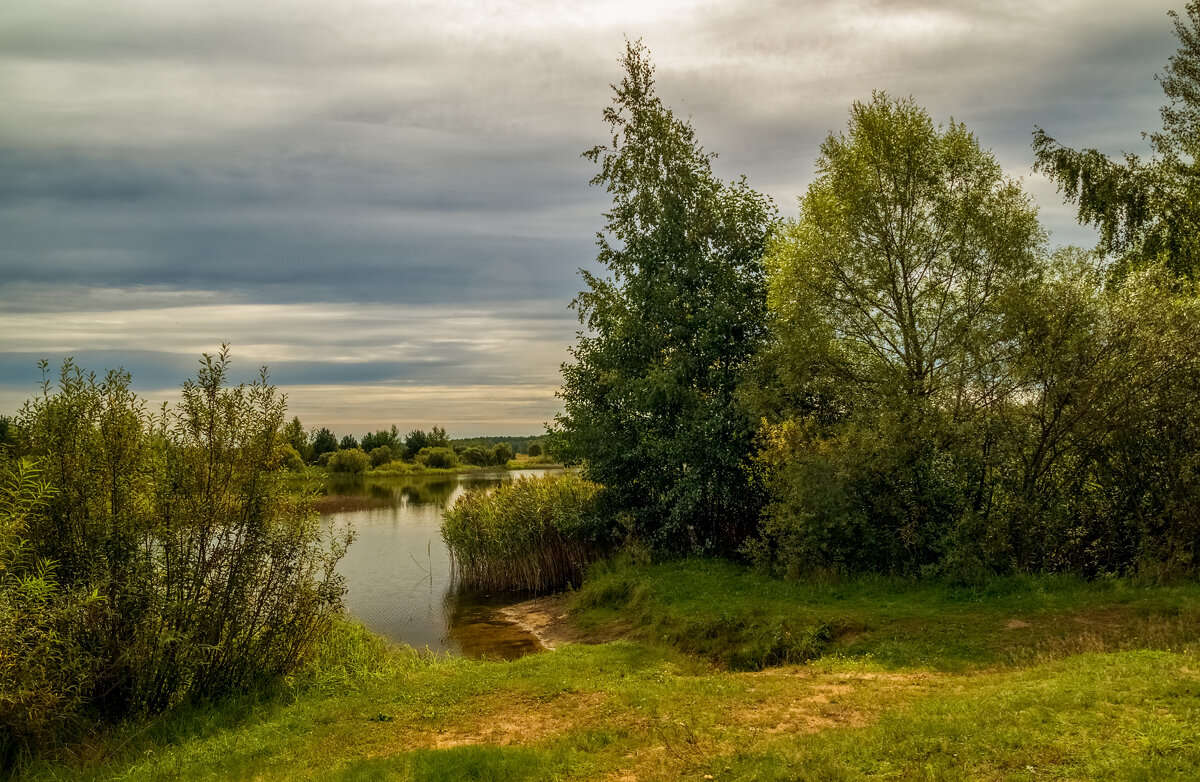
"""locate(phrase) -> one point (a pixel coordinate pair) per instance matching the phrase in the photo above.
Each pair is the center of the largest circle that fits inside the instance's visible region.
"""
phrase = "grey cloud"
(427, 153)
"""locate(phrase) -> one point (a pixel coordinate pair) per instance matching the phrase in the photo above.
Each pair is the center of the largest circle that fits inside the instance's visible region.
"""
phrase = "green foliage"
(535, 450)
(440, 457)
(1148, 211)
(477, 455)
(502, 453)
(889, 294)
(519, 443)
(294, 435)
(531, 535)
(418, 439)
(289, 458)
(349, 460)
(384, 438)
(348, 443)
(7, 431)
(380, 456)
(214, 578)
(44, 671)
(323, 442)
(649, 407)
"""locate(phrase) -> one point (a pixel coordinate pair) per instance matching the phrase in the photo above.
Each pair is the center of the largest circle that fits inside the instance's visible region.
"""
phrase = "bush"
(534, 535)
(349, 460)
(477, 456)
(535, 450)
(502, 453)
(43, 669)
(438, 458)
(210, 576)
(289, 458)
(380, 456)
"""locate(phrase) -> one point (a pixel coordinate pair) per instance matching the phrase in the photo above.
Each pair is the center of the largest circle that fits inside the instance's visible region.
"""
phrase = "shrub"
(438, 458)
(380, 456)
(43, 670)
(535, 450)
(290, 458)
(349, 460)
(476, 455)
(502, 453)
(211, 577)
(534, 535)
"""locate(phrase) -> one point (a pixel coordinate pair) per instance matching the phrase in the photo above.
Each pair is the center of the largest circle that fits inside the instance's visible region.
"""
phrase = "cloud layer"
(331, 185)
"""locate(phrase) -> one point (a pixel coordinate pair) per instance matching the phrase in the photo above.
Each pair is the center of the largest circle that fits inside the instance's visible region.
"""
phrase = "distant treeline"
(379, 449)
(523, 444)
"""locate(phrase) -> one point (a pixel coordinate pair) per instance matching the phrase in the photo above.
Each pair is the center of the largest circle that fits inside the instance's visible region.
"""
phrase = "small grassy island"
(888, 490)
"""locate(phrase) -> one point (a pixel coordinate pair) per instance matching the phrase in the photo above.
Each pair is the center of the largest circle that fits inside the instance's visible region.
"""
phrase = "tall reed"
(532, 535)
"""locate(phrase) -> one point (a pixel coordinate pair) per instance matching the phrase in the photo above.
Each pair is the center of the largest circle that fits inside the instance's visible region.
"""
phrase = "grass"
(935, 685)
(743, 620)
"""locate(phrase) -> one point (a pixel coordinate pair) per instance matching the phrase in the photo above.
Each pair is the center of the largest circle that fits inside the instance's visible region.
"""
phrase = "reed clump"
(532, 535)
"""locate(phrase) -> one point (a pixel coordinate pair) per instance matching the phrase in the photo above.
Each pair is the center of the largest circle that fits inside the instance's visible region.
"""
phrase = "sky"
(384, 200)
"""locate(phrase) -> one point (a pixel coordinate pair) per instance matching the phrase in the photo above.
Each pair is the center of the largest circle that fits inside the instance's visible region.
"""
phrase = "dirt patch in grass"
(524, 722)
(823, 701)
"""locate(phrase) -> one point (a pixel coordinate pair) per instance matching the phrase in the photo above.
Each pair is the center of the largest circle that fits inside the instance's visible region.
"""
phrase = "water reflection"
(398, 570)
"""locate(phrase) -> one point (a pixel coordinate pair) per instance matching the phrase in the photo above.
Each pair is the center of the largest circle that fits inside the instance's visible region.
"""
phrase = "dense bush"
(44, 672)
(349, 460)
(477, 455)
(380, 456)
(209, 577)
(502, 453)
(1009, 412)
(532, 535)
(442, 457)
(289, 458)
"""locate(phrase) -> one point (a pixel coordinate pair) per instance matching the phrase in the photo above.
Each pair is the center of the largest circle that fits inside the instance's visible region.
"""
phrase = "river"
(398, 569)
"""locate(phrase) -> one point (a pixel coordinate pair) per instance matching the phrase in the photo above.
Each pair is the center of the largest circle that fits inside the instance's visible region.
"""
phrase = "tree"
(384, 438)
(294, 434)
(888, 295)
(502, 453)
(649, 401)
(1146, 210)
(323, 441)
(414, 441)
(348, 443)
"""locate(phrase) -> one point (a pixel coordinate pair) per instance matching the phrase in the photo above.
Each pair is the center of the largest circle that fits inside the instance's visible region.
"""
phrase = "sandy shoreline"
(545, 618)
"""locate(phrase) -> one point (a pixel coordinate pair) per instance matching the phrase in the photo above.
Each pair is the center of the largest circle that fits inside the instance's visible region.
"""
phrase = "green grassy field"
(1024, 679)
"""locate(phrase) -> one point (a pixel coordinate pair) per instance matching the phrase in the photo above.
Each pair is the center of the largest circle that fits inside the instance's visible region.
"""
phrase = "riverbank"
(1019, 679)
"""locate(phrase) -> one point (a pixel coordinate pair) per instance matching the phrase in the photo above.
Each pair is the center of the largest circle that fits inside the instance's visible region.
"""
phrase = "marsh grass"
(533, 535)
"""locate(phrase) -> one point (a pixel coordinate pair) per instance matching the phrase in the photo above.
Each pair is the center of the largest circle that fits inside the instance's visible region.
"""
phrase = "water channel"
(398, 569)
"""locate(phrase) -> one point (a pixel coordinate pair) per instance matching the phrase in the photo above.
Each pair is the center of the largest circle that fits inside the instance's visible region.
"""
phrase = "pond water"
(398, 569)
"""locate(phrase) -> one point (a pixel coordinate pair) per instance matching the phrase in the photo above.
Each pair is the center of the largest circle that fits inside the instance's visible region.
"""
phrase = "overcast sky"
(384, 200)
